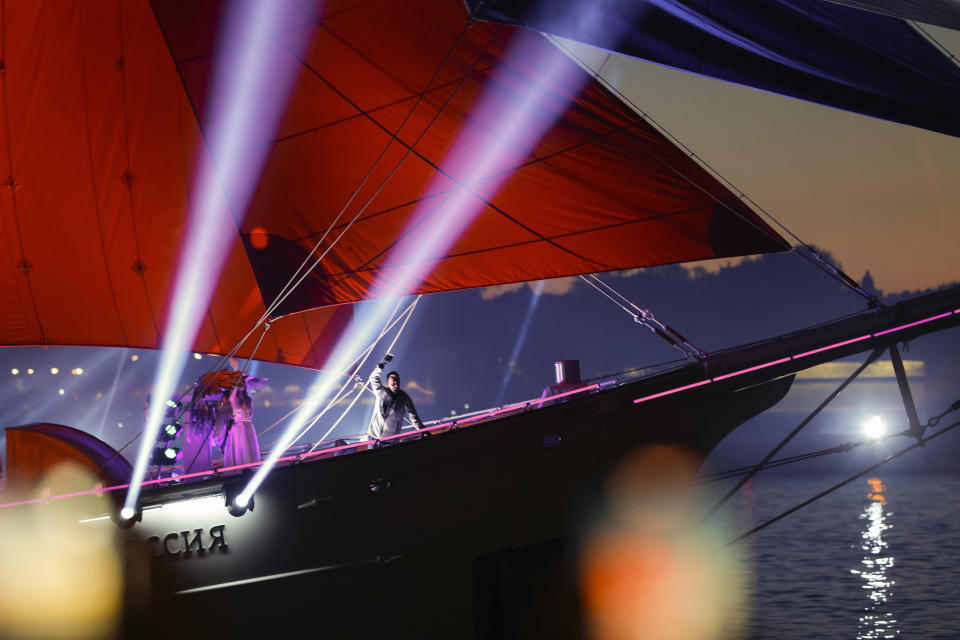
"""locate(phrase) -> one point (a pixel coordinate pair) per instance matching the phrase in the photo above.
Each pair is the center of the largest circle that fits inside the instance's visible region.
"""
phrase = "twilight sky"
(877, 195)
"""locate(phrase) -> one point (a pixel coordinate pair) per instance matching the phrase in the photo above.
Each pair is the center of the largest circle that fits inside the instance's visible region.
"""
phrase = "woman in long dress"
(241, 445)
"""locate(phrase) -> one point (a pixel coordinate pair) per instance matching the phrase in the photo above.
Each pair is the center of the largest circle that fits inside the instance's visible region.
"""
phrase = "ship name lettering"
(186, 543)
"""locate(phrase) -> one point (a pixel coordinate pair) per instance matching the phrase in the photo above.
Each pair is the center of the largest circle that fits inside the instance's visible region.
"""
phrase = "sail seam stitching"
(128, 177)
(24, 266)
(366, 266)
(93, 182)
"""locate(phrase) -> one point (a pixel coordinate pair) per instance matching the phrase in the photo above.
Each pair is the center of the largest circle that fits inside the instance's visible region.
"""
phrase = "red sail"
(101, 139)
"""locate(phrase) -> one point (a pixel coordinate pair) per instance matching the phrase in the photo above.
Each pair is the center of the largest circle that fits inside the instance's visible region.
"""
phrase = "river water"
(878, 558)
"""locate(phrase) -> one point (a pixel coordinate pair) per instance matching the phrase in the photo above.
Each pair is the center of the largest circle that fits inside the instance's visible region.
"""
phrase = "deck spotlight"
(172, 430)
(237, 501)
(127, 517)
(165, 456)
(875, 427)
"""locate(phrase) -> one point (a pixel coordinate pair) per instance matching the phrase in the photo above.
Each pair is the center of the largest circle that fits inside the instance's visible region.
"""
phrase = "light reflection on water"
(877, 620)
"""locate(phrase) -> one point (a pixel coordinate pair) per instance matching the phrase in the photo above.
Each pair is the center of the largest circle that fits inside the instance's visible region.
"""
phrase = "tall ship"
(237, 178)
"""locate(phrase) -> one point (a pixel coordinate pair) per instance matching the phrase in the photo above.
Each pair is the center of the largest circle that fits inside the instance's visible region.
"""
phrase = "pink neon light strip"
(799, 355)
(759, 366)
(832, 346)
(513, 407)
(508, 408)
(913, 324)
(671, 391)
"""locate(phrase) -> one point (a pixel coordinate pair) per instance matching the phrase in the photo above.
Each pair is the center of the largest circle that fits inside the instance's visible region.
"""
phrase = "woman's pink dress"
(241, 446)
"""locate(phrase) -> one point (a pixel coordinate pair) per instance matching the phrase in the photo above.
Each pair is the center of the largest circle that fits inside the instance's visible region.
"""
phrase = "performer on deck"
(241, 445)
(198, 439)
(392, 404)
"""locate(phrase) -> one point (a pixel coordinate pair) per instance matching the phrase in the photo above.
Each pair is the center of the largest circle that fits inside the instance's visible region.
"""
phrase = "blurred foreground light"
(875, 427)
(58, 578)
(14, 371)
(54, 370)
(651, 569)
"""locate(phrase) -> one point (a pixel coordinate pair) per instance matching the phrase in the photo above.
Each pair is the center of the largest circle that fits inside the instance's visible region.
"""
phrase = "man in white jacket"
(392, 404)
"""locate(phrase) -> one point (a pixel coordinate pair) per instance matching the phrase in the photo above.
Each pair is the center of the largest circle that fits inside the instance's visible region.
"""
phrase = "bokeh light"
(651, 569)
(59, 578)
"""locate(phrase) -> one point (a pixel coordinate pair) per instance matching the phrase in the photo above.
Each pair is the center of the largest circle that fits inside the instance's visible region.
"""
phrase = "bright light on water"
(875, 427)
(877, 620)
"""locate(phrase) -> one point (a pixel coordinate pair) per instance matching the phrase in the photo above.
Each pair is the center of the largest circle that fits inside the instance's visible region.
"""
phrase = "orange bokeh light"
(259, 238)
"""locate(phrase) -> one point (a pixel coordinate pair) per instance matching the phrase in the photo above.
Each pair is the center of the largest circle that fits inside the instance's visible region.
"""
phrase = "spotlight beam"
(251, 84)
(521, 338)
(533, 111)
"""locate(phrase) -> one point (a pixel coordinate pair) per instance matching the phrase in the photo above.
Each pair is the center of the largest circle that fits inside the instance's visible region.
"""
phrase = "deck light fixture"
(172, 430)
(237, 501)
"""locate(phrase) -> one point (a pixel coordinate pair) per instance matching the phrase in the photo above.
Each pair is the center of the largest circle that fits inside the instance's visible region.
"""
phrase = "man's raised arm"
(374, 381)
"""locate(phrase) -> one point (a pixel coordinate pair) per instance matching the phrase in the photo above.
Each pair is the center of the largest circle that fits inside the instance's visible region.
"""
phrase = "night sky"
(878, 197)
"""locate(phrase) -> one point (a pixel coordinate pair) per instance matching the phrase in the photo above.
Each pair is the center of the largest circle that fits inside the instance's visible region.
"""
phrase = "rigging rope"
(866, 363)
(645, 317)
(295, 281)
(843, 448)
(363, 384)
(344, 374)
(352, 376)
(921, 442)
(939, 45)
(360, 360)
(803, 457)
(816, 259)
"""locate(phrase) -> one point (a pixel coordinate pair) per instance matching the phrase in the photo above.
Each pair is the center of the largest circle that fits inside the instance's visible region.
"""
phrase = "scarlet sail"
(103, 124)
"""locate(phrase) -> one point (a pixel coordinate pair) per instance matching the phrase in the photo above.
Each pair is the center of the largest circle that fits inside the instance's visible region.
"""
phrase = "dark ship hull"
(470, 532)
(422, 538)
